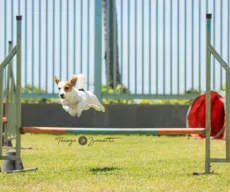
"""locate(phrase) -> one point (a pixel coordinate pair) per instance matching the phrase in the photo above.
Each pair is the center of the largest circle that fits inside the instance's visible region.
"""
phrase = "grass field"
(129, 163)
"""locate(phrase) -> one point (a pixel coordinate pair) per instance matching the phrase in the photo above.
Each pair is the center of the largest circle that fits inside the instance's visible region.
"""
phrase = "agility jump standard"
(15, 111)
(210, 50)
(172, 131)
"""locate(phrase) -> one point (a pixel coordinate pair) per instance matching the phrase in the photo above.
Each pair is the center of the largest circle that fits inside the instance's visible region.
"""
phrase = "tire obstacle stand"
(13, 113)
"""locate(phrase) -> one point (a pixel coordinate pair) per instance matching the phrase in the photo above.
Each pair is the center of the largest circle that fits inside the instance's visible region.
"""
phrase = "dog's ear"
(56, 80)
(73, 81)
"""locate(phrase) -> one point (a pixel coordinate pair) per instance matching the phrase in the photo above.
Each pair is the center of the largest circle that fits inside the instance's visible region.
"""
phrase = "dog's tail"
(81, 80)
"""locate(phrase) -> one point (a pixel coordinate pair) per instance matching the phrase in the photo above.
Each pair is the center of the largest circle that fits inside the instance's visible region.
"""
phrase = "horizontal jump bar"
(146, 131)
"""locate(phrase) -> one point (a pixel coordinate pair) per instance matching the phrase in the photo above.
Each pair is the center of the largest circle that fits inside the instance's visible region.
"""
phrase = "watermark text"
(65, 140)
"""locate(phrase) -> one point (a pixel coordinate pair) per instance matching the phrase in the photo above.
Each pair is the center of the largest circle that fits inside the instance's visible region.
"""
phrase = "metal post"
(227, 128)
(1, 109)
(208, 90)
(8, 94)
(98, 48)
(18, 94)
(107, 46)
(9, 76)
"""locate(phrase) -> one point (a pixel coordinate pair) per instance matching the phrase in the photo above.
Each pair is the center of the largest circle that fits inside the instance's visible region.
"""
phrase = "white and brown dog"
(74, 100)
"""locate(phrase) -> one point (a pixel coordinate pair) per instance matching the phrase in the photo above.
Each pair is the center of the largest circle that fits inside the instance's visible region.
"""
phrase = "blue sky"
(171, 56)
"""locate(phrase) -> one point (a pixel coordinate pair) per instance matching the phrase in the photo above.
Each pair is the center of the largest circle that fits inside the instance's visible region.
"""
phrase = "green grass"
(130, 163)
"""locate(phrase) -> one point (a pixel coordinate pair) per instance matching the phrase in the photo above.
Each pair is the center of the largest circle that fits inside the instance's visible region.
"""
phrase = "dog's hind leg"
(98, 107)
(95, 103)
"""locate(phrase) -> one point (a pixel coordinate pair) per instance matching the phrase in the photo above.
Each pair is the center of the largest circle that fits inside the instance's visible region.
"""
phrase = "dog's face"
(65, 87)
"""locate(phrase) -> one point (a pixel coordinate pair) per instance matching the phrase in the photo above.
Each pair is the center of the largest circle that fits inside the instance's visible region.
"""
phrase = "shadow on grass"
(104, 169)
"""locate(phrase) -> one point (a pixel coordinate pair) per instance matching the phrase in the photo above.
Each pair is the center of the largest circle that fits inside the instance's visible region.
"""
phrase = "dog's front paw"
(66, 108)
(71, 112)
(78, 114)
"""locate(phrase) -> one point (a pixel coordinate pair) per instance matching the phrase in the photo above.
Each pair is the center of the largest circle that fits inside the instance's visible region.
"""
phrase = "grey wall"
(154, 116)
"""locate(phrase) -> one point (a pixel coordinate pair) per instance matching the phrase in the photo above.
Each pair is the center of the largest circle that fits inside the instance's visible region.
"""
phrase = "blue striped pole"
(53, 45)
(150, 47)
(97, 47)
(39, 46)
(32, 44)
(67, 39)
(47, 45)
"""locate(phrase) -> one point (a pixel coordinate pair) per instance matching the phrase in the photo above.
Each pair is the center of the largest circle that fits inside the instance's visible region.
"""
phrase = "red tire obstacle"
(197, 112)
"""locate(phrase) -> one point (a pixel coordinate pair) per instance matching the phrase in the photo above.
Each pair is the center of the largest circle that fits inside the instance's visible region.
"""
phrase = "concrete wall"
(154, 116)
